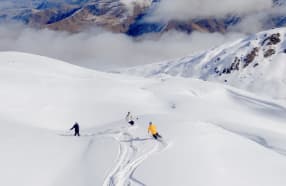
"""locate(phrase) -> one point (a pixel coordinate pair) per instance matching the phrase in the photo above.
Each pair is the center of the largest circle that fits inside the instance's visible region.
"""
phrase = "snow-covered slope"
(212, 134)
(51, 94)
(256, 63)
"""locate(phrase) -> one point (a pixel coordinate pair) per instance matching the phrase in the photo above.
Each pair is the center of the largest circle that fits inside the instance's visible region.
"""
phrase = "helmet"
(150, 123)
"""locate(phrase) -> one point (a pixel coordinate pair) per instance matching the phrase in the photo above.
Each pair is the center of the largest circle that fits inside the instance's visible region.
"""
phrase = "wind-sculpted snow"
(212, 134)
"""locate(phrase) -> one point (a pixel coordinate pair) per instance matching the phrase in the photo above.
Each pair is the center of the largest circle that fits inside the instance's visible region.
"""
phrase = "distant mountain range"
(113, 15)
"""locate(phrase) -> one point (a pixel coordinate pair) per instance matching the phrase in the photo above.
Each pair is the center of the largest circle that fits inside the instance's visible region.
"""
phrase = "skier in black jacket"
(76, 129)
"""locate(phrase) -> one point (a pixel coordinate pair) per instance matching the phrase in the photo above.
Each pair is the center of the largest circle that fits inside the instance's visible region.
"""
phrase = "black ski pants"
(157, 135)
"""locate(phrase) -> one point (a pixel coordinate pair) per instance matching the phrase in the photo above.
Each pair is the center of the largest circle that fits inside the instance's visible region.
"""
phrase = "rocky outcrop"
(272, 39)
(269, 52)
(250, 57)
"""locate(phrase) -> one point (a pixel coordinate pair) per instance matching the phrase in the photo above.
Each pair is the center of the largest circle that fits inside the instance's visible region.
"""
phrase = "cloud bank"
(104, 50)
(5, 4)
(255, 22)
(187, 9)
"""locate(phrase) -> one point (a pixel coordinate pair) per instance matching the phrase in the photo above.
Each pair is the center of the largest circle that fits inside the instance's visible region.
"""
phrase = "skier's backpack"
(131, 122)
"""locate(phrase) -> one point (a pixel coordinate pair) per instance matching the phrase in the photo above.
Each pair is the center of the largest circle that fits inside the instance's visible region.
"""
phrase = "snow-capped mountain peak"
(252, 63)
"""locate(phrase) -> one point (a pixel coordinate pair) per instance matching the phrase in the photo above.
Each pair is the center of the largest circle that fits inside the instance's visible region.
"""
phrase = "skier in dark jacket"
(129, 118)
(76, 129)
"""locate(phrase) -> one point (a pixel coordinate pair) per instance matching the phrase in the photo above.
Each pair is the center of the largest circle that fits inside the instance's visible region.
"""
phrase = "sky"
(103, 50)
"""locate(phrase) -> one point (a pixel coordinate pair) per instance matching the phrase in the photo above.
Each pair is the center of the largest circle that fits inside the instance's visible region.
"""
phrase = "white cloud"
(250, 24)
(104, 50)
(186, 9)
(256, 22)
(5, 4)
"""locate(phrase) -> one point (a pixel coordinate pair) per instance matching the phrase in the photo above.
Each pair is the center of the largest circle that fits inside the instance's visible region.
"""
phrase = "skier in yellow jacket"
(153, 130)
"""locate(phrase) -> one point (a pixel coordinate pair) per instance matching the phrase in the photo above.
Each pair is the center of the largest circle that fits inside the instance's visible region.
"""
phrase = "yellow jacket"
(152, 129)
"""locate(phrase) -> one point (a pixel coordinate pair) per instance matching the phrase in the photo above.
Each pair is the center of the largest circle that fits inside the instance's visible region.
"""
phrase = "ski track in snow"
(130, 156)
(132, 152)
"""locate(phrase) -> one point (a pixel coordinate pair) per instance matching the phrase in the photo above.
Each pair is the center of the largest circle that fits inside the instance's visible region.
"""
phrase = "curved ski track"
(132, 152)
